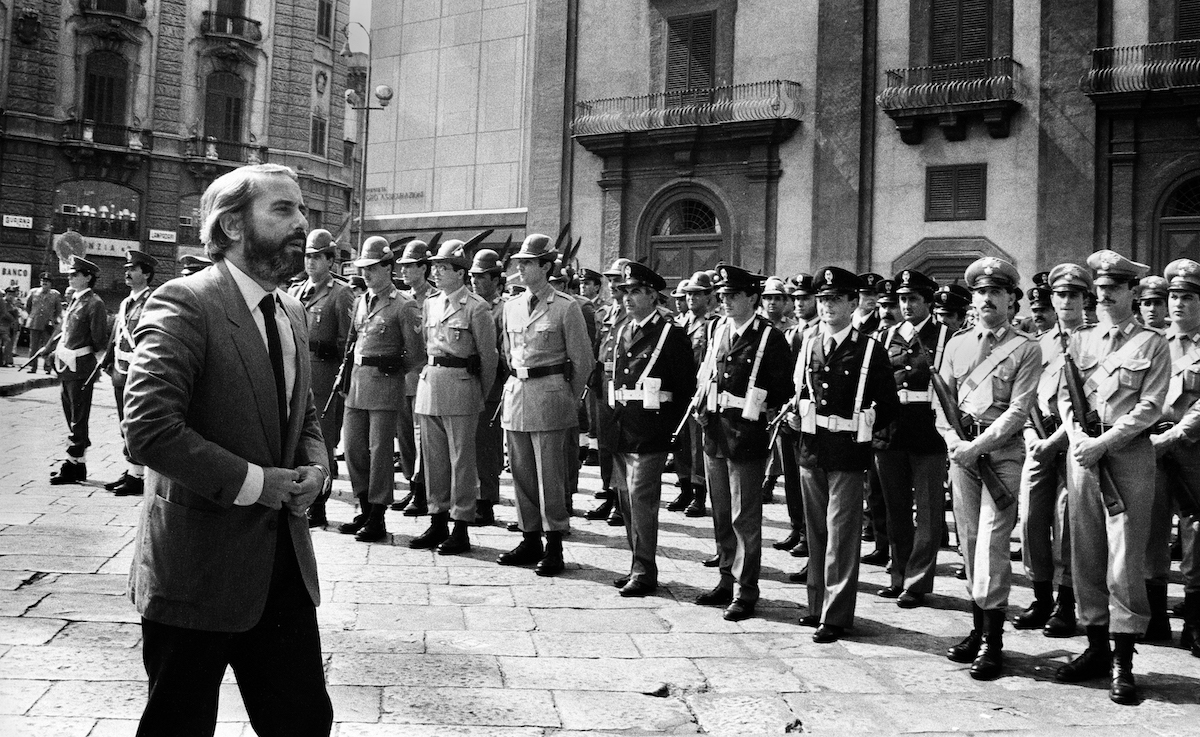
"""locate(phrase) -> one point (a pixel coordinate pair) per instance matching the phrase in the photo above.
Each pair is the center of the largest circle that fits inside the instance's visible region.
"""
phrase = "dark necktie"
(275, 348)
(533, 303)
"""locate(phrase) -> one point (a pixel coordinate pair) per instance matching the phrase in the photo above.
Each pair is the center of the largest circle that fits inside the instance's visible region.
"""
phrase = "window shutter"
(956, 192)
(939, 193)
(970, 190)
(223, 108)
(690, 53)
(960, 30)
(1187, 26)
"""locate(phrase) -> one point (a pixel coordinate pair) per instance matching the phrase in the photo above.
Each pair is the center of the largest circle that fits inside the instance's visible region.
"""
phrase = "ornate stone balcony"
(948, 95)
(216, 25)
(1126, 76)
(107, 150)
(129, 10)
(211, 156)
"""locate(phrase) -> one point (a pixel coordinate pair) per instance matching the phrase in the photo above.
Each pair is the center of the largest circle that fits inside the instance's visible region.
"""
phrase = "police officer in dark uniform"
(746, 375)
(613, 315)
(950, 304)
(84, 334)
(653, 378)
(139, 270)
(843, 387)
(910, 454)
(697, 324)
(329, 305)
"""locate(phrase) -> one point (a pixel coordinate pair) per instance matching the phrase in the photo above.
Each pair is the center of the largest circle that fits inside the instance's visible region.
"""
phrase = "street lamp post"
(362, 103)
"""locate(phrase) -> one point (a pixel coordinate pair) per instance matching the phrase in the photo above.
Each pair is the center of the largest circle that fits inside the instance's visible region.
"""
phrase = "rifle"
(92, 377)
(776, 424)
(341, 382)
(47, 348)
(1001, 494)
(1089, 421)
(707, 370)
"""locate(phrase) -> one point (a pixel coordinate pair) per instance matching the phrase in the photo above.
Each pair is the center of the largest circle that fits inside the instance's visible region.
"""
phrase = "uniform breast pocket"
(546, 335)
(1191, 380)
(1002, 380)
(458, 331)
(1133, 373)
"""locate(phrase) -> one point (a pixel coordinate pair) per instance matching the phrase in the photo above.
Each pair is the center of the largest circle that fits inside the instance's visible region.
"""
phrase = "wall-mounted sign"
(18, 221)
(162, 236)
(116, 247)
(15, 274)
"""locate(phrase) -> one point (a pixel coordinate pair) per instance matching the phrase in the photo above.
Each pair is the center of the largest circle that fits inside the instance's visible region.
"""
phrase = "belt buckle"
(522, 372)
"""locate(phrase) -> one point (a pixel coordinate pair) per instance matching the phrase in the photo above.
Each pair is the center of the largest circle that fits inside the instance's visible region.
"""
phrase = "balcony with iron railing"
(947, 95)
(115, 135)
(131, 10)
(211, 152)
(235, 27)
(755, 101)
(1119, 73)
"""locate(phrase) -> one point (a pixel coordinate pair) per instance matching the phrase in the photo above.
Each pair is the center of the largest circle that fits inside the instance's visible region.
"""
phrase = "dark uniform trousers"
(915, 483)
(85, 325)
(639, 496)
(489, 451)
(735, 493)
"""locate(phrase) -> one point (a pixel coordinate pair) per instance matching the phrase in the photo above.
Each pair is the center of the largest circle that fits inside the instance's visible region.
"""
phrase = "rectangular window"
(689, 58)
(318, 136)
(325, 19)
(347, 153)
(956, 192)
(1187, 22)
(316, 218)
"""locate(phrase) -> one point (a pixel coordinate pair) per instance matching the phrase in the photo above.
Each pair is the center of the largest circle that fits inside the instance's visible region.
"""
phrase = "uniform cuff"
(252, 486)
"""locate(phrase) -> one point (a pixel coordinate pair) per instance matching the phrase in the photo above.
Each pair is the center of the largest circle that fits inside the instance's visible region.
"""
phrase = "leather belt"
(974, 429)
(910, 396)
(725, 400)
(377, 360)
(449, 361)
(833, 423)
(534, 372)
(637, 395)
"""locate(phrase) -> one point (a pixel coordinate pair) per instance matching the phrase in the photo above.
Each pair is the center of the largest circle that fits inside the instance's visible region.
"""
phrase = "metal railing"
(224, 24)
(938, 85)
(776, 99)
(215, 149)
(132, 9)
(108, 134)
(1158, 66)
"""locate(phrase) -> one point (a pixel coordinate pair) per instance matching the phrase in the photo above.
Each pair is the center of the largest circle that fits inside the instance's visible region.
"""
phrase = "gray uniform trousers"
(539, 476)
(913, 481)
(833, 512)
(451, 478)
(735, 493)
(984, 531)
(639, 497)
(489, 452)
(1045, 529)
(369, 434)
(1109, 553)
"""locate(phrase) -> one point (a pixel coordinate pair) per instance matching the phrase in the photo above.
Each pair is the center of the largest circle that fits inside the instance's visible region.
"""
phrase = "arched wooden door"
(688, 231)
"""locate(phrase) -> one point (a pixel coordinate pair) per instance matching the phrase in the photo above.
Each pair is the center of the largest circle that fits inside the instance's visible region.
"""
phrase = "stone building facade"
(116, 114)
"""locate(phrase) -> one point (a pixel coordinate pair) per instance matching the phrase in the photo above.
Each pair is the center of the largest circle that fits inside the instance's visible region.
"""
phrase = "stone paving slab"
(501, 707)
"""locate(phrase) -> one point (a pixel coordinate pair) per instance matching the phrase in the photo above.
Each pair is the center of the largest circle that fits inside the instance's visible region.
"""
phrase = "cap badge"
(989, 270)
(904, 277)
(628, 272)
(829, 277)
(1109, 260)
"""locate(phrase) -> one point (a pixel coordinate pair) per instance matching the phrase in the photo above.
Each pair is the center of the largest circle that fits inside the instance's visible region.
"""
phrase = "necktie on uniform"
(533, 303)
(830, 345)
(275, 349)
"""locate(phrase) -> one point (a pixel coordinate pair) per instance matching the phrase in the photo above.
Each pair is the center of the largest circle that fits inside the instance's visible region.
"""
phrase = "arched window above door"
(1184, 201)
(686, 233)
(687, 217)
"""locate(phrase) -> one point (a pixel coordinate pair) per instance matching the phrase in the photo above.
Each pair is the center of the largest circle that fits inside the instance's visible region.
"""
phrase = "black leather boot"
(374, 530)
(965, 651)
(1062, 619)
(1038, 613)
(990, 661)
(1123, 689)
(485, 513)
(1159, 628)
(458, 542)
(1093, 663)
(551, 563)
(696, 508)
(681, 502)
(433, 536)
(399, 506)
(356, 524)
(419, 506)
(527, 553)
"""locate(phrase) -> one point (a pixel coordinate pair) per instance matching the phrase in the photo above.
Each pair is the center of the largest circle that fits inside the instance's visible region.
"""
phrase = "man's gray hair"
(230, 193)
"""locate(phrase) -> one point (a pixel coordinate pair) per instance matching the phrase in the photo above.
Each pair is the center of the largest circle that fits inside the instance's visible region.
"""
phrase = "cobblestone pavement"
(422, 645)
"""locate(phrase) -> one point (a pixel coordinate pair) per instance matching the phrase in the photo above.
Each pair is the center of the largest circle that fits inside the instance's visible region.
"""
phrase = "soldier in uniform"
(1151, 298)
(84, 334)
(487, 279)
(697, 324)
(1175, 445)
(1127, 368)
(139, 270)
(329, 306)
(1045, 537)
(1041, 309)
(460, 342)
(745, 376)
(44, 305)
(992, 373)
(843, 387)
(550, 359)
(910, 454)
(804, 301)
(414, 270)
(601, 419)
(950, 306)
(653, 378)
(380, 332)
(776, 304)
(887, 312)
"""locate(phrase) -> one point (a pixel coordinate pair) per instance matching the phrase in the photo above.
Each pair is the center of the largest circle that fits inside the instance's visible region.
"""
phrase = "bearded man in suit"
(219, 408)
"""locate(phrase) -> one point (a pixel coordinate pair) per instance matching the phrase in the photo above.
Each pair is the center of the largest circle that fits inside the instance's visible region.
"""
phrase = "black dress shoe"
(810, 620)
(876, 558)
(615, 518)
(133, 486)
(600, 512)
(910, 600)
(513, 527)
(620, 581)
(638, 588)
(828, 633)
(695, 509)
(801, 549)
(592, 458)
(399, 506)
(788, 542)
(738, 610)
(717, 597)
(891, 592)
(316, 518)
(712, 561)
(69, 473)
(800, 576)
(112, 485)
(416, 509)
(681, 502)
(960, 572)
